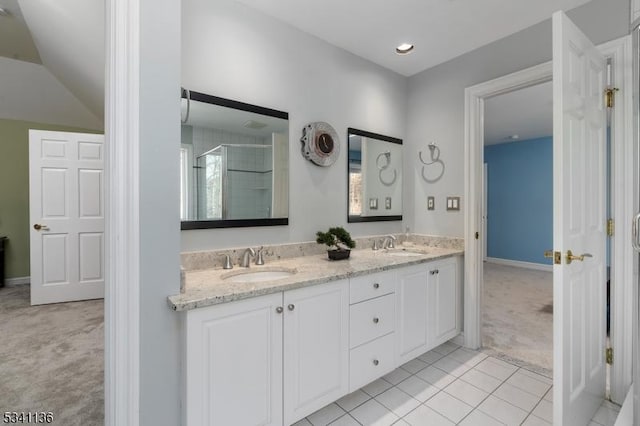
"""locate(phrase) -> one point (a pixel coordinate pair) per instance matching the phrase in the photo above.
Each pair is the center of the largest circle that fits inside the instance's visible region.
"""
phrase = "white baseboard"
(625, 417)
(520, 264)
(10, 282)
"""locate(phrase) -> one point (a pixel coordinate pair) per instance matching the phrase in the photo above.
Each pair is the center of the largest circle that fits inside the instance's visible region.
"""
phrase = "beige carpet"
(52, 358)
(518, 315)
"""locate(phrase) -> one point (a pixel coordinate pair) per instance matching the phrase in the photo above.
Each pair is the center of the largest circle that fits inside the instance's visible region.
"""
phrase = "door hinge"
(609, 96)
(610, 227)
(477, 235)
(609, 355)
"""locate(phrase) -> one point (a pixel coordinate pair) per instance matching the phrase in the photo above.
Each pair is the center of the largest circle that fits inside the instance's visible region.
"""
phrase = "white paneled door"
(579, 282)
(66, 205)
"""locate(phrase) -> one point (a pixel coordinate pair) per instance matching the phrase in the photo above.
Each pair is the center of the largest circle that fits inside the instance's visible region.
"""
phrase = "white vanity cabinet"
(412, 312)
(427, 306)
(233, 363)
(271, 360)
(316, 348)
(443, 292)
(267, 360)
(371, 327)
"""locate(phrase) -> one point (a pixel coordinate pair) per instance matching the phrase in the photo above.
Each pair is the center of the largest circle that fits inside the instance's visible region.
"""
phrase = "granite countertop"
(207, 287)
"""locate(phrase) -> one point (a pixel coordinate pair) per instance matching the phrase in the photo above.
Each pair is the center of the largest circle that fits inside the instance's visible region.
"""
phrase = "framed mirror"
(375, 177)
(234, 164)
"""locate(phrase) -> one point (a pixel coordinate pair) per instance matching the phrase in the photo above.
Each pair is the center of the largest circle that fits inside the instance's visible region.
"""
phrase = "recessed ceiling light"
(404, 48)
(4, 12)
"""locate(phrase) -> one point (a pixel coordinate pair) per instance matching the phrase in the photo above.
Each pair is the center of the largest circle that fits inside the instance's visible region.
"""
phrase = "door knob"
(39, 227)
(571, 257)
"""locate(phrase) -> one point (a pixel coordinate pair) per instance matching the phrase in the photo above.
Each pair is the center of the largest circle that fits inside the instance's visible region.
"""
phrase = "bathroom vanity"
(273, 351)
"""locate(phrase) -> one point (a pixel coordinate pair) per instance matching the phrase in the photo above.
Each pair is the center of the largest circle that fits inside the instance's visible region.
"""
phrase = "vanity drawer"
(370, 361)
(371, 319)
(372, 285)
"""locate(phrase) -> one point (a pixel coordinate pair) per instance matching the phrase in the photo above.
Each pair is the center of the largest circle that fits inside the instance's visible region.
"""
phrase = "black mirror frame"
(366, 134)
(232, 223)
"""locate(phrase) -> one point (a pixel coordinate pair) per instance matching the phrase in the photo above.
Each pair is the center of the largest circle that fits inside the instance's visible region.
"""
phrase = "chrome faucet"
(246, 262)
(259, 256)
(389, 242)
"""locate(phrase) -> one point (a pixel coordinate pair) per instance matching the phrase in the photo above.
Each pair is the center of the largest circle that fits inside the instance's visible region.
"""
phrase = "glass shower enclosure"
(244, 170)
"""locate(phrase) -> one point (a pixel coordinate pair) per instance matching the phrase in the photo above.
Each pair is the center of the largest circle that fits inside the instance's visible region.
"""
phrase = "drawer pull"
(376, 362)
(376, 286)
(376, 320)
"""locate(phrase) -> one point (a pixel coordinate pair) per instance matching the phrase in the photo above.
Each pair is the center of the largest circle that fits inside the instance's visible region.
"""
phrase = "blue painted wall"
(520, 200)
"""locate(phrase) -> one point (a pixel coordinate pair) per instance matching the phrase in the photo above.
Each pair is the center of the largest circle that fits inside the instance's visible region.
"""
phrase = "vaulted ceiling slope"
(439, 29)
(30, 92)
(69, 35)
(15, 38)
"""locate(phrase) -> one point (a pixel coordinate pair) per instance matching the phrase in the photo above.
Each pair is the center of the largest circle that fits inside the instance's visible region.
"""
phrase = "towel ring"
(387, 162)
(434, 153)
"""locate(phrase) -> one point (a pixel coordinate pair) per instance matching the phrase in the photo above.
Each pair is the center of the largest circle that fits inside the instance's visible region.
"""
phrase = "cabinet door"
(234, 363)
(411, 312)
(443, 301)
(316, 347)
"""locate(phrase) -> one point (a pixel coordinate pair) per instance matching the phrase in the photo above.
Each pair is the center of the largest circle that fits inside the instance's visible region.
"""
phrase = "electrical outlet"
(431, 203)
(453, 203)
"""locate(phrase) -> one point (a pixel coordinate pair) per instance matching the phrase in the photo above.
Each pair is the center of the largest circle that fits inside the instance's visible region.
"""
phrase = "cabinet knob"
(279, 309)
(376, 362)
(376, 320)
(376, 286)
(291, 307)
(437, 271)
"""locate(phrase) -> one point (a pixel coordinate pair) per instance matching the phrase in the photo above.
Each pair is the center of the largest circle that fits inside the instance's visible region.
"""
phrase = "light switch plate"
(453, 203)
(431, 203)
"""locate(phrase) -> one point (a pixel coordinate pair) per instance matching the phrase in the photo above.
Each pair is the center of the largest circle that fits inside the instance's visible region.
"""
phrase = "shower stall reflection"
(244, 170)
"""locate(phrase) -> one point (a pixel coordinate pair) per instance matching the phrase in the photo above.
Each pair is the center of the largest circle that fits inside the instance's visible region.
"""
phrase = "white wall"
(159, 234)
(30, 92)
(436, 105)
(232, 51)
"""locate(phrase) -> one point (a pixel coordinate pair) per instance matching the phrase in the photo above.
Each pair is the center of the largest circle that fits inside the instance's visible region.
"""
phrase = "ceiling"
(527, 113)
(67, 36)
(372, 29)
(15, 38)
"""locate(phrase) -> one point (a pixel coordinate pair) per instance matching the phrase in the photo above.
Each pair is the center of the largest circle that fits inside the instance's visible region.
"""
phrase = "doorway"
(619, 52)
(517, 312)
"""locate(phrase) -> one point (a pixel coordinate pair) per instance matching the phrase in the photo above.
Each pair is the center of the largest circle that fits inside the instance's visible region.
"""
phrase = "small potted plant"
(339, 242)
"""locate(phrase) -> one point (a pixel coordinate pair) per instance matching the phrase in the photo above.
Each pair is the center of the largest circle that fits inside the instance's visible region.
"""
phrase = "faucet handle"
(259, 256)
(375, 244)
(227, 262)
(392, 241)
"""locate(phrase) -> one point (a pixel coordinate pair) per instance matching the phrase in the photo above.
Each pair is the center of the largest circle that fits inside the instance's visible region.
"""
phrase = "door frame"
(619, 51)
(122, 208)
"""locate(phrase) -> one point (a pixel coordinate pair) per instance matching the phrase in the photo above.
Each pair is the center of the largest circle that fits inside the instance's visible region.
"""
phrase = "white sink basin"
(404, 253)
(258, 276)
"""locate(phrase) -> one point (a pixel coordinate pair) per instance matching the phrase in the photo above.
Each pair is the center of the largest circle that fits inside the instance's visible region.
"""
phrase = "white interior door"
(578, 224)
(66, 206)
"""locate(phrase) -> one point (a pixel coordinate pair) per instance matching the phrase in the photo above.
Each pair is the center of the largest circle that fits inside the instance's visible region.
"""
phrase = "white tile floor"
(447, 386)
